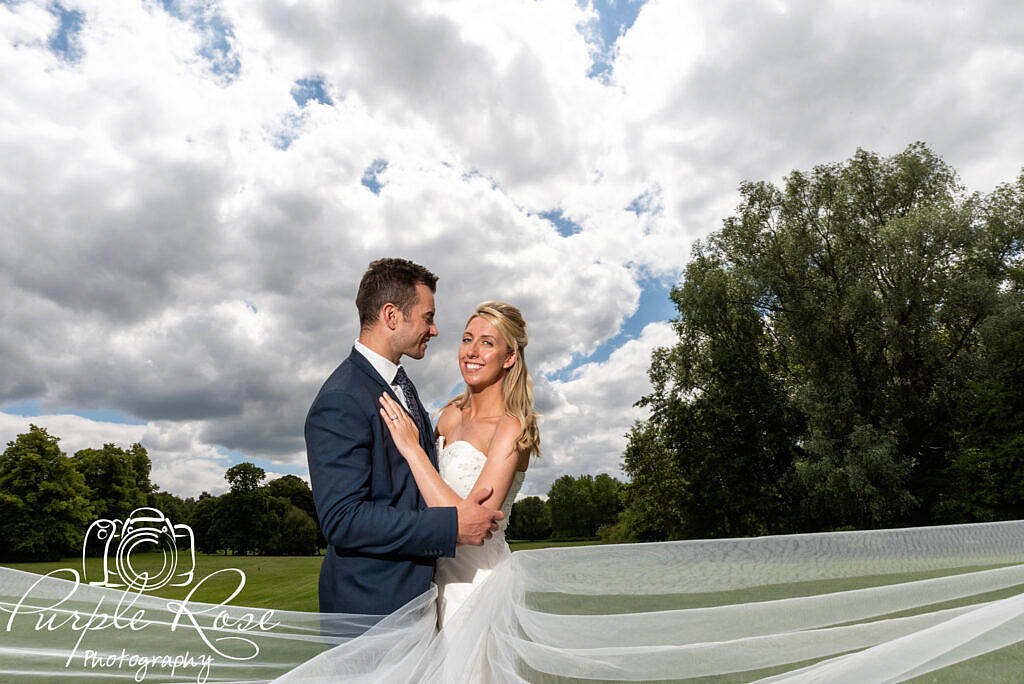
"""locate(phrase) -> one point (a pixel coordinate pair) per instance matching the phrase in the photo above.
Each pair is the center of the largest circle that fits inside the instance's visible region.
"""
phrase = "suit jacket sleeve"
(339, 448)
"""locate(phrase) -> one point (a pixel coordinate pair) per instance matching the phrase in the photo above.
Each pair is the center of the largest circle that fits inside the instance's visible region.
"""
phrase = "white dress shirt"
(387, 370)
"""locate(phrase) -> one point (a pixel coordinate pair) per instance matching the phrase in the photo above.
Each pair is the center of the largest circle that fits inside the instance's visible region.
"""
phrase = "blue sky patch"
(216, 31)
(236, 457)
(291, 128)
(64, 40)
(615, 17)
(31, 409)
(654, 306)
(647, 203)
(371, 175)
(565, 226)
(313, 88)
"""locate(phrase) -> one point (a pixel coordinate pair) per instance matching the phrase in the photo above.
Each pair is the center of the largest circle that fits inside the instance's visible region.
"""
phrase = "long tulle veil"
(884, 605)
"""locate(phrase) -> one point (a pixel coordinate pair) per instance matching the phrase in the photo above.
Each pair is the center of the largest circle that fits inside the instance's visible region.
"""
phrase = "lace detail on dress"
(460, 464)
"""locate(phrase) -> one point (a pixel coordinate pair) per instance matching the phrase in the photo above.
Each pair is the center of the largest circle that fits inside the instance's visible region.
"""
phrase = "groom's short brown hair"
(390, 280)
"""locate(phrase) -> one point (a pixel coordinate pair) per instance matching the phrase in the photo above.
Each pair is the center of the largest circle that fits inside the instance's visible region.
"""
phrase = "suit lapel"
(360, 361)
(426, 441)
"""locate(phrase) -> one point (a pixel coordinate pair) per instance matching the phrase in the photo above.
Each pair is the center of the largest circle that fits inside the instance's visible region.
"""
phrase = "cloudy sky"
(191, 189)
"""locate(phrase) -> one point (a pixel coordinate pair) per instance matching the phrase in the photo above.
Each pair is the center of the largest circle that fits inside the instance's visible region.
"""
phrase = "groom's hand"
(476, 522)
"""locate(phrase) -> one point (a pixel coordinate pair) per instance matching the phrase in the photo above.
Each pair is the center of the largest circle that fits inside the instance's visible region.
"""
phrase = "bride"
(485, 437)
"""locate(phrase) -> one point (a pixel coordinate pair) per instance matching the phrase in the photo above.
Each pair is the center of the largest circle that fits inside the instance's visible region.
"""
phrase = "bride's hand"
(403, 430)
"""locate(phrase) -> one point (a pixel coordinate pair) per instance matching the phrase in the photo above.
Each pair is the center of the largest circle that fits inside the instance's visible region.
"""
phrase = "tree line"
(48, 500)
(582, 507)
(850, 354)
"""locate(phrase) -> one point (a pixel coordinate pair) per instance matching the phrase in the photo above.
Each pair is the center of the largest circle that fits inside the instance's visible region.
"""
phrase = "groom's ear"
(389, 315)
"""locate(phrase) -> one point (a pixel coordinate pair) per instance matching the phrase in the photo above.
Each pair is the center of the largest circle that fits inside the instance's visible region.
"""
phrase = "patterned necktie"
(403, 381)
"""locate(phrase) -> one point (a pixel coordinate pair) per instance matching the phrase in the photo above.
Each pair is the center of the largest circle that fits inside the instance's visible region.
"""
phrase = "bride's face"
(483, 354)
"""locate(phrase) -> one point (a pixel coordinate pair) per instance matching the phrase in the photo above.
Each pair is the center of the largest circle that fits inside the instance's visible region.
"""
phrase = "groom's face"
(416, 329)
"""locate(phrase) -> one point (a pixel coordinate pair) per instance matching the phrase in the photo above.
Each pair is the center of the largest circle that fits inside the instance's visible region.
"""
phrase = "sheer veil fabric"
(871, 606)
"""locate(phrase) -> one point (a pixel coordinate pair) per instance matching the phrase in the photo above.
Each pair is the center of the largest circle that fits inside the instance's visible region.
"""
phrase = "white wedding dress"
(458, 578)
(460, 464)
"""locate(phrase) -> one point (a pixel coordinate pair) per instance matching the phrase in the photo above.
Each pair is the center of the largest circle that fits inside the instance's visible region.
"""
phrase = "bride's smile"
(483, 354)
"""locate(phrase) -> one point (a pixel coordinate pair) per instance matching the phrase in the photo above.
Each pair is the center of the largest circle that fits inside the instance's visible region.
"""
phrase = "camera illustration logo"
(145, 530)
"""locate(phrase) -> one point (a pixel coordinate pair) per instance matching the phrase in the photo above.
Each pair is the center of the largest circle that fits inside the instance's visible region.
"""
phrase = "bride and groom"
(392, 502)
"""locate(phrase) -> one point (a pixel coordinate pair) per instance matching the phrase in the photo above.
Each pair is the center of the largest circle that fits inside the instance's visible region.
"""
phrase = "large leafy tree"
(986, 476)
(205, 524)
(295, 489)
(240, 513)
(118, 479)
(244, 477)
(174, 507)
(299, 534)
(606, 493)
(579, 505)
(842, 340)
(570, 508)
(716, 456)
(298, 493)
(44, 502)
(530, 519)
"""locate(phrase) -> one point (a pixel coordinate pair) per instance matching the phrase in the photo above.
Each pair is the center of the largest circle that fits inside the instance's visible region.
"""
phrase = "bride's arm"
(498, 470)
(502, 459)
(434, 490)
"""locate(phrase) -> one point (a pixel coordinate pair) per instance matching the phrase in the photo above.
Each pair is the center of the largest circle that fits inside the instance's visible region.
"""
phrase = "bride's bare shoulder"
(504, 442)
(450, 418)
(505, 434)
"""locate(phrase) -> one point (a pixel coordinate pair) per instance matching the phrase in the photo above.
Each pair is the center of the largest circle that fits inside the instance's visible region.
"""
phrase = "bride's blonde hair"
(517, 387)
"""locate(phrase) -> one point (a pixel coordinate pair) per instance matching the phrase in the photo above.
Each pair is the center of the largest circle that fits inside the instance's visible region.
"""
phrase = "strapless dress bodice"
(460, 464)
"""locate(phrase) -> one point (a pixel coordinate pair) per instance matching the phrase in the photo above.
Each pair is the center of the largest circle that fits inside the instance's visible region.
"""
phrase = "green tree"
(204, 524)
(116, 487)
(717, 453)
(657, 494)
(296, 490)
(172, 506)
(44, 502)
(237, 522)
(298, 493)
(987, 472)
(606, 493)
(569, 508)
(244, 477)
(269, 524)
(578, 506)
(529, 519)
(142, 467)
(876, 274)
(299, 533)
(241, 513)
(831, 366)
(284, 528)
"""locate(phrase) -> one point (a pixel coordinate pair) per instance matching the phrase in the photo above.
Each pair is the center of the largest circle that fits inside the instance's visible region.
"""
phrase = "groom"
(382, 539)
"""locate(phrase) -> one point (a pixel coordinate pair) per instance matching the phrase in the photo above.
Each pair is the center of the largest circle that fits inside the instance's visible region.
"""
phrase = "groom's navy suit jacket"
(382, 539)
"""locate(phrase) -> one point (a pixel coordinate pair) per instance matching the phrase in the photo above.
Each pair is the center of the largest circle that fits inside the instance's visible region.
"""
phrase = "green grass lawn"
(280, 582)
